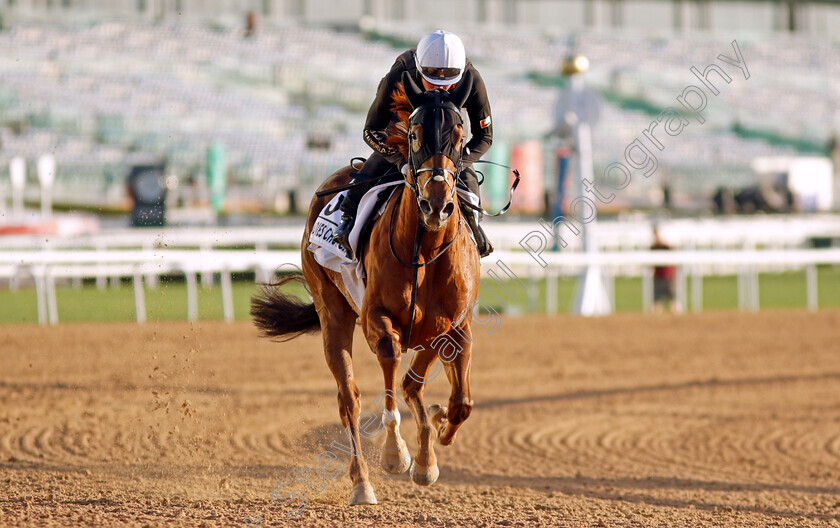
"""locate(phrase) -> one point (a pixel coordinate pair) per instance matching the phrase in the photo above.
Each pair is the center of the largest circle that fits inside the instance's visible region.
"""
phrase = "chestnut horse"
(420, 240)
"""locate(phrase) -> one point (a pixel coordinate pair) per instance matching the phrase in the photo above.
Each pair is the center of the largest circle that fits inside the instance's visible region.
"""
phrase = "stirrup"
(341, 235)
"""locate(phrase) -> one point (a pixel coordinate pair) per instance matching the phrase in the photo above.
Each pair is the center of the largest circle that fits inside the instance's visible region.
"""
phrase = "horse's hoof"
(438, 418)
(424, 476)
(362, 493)
(395, 457)
(438, 414)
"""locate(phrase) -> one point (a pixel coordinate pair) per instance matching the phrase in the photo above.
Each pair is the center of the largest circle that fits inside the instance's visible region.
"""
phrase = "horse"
(423, 274)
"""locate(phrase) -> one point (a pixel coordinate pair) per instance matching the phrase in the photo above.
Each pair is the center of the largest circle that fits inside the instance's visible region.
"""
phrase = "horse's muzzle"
(436, 211)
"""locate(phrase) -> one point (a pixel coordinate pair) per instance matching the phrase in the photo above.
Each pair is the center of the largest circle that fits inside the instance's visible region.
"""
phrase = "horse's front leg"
(424, 469)
(448, 420)
(383, 341)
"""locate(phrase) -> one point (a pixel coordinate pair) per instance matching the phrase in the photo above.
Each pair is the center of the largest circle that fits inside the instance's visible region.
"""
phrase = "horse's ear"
(412, 91)
(459, 95)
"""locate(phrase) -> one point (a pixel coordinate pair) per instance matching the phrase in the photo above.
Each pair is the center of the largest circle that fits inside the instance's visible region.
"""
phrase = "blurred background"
(175, 145)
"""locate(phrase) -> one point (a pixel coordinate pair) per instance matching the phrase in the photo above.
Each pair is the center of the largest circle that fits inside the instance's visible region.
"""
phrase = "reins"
(358, 179)
(510, 192)
(420, 231)
(414, 170)
(415, 259)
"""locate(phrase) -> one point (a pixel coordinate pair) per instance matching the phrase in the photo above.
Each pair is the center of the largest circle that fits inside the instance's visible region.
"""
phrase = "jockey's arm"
(379, 115)
(481, 124)
(376, 140)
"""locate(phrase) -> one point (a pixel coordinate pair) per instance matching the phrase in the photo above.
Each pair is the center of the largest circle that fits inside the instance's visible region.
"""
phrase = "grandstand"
(176, 97)
(117, 81)
(811, 17)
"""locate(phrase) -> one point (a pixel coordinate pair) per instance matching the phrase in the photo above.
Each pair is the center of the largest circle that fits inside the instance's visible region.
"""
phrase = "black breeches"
(377, 165)
(468, 179)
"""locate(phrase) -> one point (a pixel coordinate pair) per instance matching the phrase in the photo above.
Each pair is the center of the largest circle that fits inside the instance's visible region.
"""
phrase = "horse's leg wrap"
(424, 470)
(395, 456)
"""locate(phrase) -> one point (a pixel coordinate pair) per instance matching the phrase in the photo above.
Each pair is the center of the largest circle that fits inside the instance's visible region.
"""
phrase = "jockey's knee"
(376, 165)
(470, 180)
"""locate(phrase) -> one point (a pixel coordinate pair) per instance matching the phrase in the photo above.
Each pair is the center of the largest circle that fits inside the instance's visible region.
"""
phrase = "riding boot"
(481, 241)
(375, 165)
(341, 235)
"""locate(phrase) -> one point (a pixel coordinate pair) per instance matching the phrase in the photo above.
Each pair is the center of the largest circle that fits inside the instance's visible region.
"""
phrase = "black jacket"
(379, 115)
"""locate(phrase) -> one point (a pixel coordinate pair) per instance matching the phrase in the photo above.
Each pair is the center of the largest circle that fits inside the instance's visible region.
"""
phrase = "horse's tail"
(282, 315)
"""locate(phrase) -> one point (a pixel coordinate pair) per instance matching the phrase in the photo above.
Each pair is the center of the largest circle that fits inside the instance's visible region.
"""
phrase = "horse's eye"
(415, 138)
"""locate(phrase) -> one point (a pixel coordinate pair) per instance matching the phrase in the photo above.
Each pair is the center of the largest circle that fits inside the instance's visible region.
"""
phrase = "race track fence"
(745, 232)
(45, 267)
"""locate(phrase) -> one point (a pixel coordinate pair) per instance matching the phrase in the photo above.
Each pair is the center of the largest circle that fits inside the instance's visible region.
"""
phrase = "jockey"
(439, 61)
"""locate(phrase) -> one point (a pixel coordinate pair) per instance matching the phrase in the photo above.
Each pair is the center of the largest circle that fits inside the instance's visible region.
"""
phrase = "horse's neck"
(406, 230)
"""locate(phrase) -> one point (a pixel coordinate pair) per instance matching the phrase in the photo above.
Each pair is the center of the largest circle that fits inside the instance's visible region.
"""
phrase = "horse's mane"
(397, 131)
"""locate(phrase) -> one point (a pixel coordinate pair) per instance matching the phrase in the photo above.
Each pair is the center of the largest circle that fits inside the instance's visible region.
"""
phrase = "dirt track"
(713, 420)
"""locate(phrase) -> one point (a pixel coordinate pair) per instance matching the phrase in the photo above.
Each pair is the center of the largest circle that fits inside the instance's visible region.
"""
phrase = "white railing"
(46, 266)
(175, 237)
(775, 232)
(690, 264)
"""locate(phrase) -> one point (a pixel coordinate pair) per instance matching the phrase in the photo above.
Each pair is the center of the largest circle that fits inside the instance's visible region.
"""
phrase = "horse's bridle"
(430, 114)
(426, 151)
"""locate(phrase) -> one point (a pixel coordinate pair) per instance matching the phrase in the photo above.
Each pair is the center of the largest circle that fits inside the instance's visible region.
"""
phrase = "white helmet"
(441, 58)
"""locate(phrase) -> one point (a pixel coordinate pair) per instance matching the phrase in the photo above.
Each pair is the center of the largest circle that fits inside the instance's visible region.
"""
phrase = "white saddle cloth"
(331, 255)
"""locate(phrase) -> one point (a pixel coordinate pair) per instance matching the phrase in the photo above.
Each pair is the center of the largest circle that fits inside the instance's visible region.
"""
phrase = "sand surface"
(709, 420)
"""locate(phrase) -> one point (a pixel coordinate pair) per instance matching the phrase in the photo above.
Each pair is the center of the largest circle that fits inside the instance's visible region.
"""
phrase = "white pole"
(227, 296)
(609, 284)
(101, 277)
(192, 297)
(647, 289)
(811, 287)
(41, 294)
(151, 279)
(680, 293)
(17, 171)
(206, 276)
(46, 175)
(139, 298)
(532, 290)
(697, 290)
(52, 303)
(3, 211)
(551, 292)
(592, 297)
